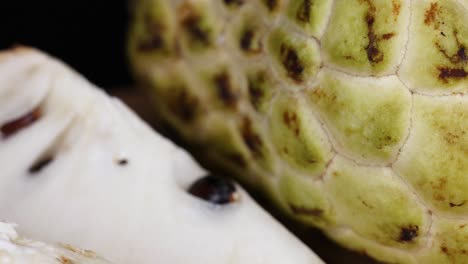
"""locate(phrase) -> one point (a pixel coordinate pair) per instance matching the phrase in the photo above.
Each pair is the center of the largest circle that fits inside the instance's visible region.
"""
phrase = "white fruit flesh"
(112, 184)
(17, 250)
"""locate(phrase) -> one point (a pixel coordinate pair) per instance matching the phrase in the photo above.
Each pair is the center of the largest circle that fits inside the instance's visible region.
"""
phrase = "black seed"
(192, 22)
(225, 89)
(14, 126)
(303, 13)
(122, 162)
(41, 164)
(214, 189)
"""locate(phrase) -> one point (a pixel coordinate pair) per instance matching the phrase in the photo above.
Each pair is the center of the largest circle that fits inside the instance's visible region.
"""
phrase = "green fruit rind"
(434, 160)
(310, 15)
(306, 200)
(389, 213)
(298, 136)
(351, 115)
(366, 37)
(449, 244)
(295, 58)
(154, 35)
(436, 60)
(371, 130)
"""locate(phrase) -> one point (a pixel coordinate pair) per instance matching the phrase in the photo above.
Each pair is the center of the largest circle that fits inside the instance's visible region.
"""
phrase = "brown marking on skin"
(235, 3)
(291, 63)
(439, 186)
(446, 73)
(396, 7)
(255, 91)
(247, 42)
(183, 105)
(439, 197)
(431, 13)
(237, 159)
(454, 252)
(302, 210)
(461, 54)
(225, 90)
(251, 139)
(457, 204)
(460, 57)
(303, 14)
(366, 204)
(452, 137)
(408, 233)
(364, 253)
(444, 249)
(154, 38)
(191, 22)
(13, 126)
(374, 55)
(291, 121)
(462, 226)
(388, 36)
(272, 5)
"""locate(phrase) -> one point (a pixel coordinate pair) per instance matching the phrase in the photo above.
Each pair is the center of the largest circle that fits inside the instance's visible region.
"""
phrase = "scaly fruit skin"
(351, 114)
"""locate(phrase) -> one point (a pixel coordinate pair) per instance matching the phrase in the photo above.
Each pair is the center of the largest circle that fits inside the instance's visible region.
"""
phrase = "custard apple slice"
(79, 167)
(352, 115)
(18, 250)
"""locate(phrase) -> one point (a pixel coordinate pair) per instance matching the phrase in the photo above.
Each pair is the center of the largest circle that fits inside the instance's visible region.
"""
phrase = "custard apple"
(352, 115)
(79, 167)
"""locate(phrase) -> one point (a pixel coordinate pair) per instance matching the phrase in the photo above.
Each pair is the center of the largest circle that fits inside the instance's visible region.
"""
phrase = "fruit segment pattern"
(352, 115)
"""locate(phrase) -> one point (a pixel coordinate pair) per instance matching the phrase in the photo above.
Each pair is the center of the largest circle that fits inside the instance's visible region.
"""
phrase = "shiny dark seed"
(214, 189)
(40, 164)
(122, 162)
(14, 126)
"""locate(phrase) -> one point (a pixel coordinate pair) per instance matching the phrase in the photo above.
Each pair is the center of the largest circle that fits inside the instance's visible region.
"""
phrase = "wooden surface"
(329, 251)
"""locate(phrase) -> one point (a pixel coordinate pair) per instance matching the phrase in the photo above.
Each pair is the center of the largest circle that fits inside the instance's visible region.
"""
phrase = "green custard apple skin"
(352, 115)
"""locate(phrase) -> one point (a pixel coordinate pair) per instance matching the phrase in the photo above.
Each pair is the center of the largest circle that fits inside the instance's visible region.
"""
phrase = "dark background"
(89, 35)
